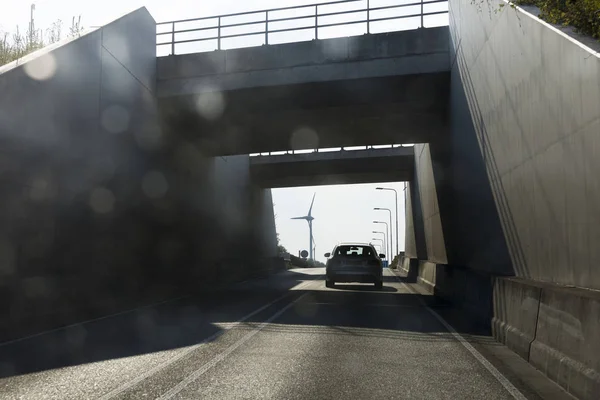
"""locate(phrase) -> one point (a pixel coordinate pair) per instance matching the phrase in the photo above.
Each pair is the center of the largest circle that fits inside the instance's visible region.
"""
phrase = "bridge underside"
(346, 167)
(398, 109)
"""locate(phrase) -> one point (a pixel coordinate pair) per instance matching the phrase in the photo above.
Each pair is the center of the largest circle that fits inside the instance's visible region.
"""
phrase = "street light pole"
(387, 229)
(377, 244)
(382, 240)
(396, 194)
(390, 228)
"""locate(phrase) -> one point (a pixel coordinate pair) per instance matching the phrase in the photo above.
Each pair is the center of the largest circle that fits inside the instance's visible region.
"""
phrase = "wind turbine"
(309, 218)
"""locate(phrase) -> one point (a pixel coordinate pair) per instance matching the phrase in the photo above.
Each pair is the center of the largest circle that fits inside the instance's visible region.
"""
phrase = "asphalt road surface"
(284, 337)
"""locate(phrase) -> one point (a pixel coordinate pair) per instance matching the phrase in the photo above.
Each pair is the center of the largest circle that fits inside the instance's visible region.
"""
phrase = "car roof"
(353, 244)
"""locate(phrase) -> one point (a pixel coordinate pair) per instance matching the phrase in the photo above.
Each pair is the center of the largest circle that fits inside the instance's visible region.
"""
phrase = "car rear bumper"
(354, 276)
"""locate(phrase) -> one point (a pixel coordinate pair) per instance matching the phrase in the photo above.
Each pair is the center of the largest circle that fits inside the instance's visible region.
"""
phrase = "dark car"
(354, 262)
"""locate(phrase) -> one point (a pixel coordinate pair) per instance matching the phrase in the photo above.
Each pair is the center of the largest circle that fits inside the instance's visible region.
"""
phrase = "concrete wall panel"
(436, 248)
(468, 290)
(566, 345)
(427, 275)
(516, 306)
(70, 70)
(418, 220)
(534, 100)
(126, 39)
(473, 232)
(191, 65)
(534, 95)
(410, 246)
(101, 210)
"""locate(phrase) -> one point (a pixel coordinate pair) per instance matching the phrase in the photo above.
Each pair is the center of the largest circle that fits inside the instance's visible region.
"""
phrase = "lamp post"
(387, 229)
(396, 195)
(382, 245)
(383, 241)
(390, 227)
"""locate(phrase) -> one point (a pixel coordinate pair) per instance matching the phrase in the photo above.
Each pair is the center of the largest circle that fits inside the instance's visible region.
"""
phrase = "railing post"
(368, 17)
(219, 35)
(173, 39)
(267, 28)
(316, 22)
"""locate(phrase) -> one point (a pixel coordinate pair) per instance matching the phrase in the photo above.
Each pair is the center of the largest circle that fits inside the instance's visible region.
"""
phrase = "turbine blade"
(311, 205)
(299, 218)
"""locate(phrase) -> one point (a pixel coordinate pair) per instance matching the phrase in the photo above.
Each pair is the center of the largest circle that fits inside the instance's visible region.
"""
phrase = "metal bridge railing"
(312, 17)
(330, 150)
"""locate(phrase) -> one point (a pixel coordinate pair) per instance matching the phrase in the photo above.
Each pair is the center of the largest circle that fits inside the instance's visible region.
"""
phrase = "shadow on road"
(364, 288)
(189, 321)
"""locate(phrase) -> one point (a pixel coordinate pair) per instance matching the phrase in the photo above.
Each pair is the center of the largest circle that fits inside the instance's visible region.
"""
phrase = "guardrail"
(330, 150)
(267, 23)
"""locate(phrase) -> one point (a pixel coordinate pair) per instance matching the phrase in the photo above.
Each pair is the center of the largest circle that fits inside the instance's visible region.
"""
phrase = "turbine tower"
(309, 218)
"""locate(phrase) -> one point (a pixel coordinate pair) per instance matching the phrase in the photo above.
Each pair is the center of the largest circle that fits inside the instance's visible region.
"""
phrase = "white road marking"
(364, 305)
(478, 356)
(117, 391)
(202, 370)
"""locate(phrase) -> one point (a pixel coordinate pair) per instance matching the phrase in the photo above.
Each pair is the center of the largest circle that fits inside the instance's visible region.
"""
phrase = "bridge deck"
(340, 167)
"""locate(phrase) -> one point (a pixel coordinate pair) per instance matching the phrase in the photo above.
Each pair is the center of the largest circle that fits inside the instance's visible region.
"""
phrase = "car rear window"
(354, 251)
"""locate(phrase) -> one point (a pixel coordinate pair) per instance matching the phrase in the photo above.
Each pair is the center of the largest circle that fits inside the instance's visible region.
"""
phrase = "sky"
(343, 212)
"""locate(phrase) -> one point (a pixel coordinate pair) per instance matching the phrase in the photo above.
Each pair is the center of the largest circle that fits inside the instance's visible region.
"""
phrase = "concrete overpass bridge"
(143, 162)
(333, 167)
(356, 91)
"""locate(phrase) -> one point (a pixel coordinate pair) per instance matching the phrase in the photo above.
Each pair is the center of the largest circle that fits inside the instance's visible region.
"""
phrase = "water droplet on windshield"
(154, 184)
(41, 68)
(304, 138)
(115, 119)
(102, 200)
(211, 104)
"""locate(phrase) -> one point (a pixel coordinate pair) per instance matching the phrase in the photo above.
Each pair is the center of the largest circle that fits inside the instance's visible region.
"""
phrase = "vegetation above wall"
(17, 45)
(583, 15)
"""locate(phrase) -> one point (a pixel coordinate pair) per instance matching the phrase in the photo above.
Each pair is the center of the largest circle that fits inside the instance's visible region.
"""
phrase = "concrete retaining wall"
(410, 245)
(101, 210)
(516, 307)
(534, 99)
(531, 98)
(432, 224)
(410, 266)
(76, 128)
(426, 275)
(554, 328)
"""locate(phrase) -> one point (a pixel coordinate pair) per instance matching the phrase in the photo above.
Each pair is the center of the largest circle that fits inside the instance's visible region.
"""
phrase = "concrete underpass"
(131, 205)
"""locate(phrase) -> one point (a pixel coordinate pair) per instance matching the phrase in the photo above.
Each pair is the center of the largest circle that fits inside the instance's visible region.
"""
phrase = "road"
(282, 337)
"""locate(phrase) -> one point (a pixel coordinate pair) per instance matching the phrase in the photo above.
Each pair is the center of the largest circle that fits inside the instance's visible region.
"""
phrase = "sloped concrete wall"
(410, 245)
(74, 123)
(101, 210)
(243, 235)
(533, 97)
(434, 235)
